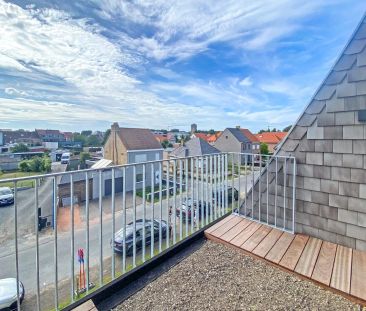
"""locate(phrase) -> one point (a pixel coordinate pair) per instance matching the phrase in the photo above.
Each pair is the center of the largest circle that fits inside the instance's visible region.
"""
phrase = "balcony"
(155, 205)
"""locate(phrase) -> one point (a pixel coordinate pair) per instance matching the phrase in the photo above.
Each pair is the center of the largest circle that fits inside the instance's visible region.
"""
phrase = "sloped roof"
(243, 135)
(270, 137)
(138, 139)
(248, 134)
(201, 135)
(194, 147)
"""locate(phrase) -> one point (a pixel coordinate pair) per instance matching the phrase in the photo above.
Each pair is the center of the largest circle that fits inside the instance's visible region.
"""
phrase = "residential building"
(50, 135)
(30, 138)
(238, 140)
(194, 147)
(272, 139)
(213, 137)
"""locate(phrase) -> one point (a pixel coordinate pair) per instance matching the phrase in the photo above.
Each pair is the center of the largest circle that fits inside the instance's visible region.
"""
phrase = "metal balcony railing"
(77, 231)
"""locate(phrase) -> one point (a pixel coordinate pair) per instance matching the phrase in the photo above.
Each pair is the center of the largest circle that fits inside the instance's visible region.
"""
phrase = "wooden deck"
(333, 266)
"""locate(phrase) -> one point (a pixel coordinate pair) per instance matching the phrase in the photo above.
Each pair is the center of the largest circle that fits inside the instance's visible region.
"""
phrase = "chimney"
(115, 127)
(238, 127)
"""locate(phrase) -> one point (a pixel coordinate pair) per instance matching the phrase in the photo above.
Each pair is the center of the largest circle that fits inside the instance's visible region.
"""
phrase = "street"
(27, 248)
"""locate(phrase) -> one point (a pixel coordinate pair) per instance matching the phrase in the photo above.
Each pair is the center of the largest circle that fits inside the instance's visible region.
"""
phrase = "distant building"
(201, 136)
(272, 139)
(193, 128)
(50, 135)
(194, 147)
(238, 140)
(29, 138)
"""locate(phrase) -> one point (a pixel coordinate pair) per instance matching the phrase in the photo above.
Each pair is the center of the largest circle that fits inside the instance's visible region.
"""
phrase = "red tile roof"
(202, 136)
(271, 137)
(248, 134)
(212, 138)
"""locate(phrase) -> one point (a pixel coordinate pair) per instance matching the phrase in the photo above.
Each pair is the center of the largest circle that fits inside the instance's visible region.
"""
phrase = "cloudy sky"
(75, 65)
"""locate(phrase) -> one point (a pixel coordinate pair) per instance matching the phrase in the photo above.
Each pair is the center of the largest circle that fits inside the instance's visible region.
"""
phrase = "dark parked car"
(119, 235)
(187, 209)
(220, 195)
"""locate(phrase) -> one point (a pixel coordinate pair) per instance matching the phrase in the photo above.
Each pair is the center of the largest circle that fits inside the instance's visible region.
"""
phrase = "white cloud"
(247, 81)
(185, 28)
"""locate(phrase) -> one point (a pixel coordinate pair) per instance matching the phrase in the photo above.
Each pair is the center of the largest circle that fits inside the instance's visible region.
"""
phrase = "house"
(195, 147)
(272, 139)
(213, 137)
(238, 140)
(50, 135)
(132, 145)
(29, 138)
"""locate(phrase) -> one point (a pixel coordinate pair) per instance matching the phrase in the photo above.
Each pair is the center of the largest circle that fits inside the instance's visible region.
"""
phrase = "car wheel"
(12, 307)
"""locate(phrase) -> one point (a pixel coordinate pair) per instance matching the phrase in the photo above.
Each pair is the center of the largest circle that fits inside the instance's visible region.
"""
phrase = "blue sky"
(75, 65)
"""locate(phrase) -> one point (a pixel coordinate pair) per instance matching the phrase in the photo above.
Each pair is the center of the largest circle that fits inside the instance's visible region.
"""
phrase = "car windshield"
(5, 191)
(120, 233)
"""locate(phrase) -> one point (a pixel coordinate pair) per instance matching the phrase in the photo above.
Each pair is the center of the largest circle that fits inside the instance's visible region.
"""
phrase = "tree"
(106, 135)
(165, 144)
(93, 141)
(84, 156)
(86, 133)
(79, 137)
(46, 164)
(287, 128)
(24, 166)
(211, 132)
(264, 148)
(274, 130)
(19, 148)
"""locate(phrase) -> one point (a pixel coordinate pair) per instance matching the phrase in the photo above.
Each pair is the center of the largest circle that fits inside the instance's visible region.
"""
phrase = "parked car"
(187, 209)
(8, 293)
(119, 235)
(6, 196)
(220, 192)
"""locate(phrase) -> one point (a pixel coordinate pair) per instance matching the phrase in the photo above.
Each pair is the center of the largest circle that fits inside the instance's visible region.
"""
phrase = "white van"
(65, 158)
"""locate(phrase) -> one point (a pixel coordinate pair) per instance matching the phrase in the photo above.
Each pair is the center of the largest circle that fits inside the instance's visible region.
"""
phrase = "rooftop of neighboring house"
(47, 132)
(213, 137)
(271, 137)
(13, 136)
(136, 138)
(201, 135)
(160, 138)
(194, 147)
(243, 135)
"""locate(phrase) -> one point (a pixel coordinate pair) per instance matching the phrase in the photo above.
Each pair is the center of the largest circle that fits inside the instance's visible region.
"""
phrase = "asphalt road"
(27, 249)
(26, 208)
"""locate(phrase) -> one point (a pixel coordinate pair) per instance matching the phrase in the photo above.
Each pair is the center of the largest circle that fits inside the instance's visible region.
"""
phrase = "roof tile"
(326, 92)
(361, 59)
(346, 90)
(356, 46)
(345, 62)
(315, 107)
(138, 139)
(356, 74)
(335, 77)
(361, 33)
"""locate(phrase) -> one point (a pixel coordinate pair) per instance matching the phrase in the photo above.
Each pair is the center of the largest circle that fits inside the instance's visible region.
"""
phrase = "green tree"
(287, 128)
(84, 156)
(264, 148)
(93, 141)
(86, 133)
(79, 137)
(46, 164)
(24, 166)
(165, 144)
(19, 148)
(35, 164)
(106, 135)
(211, 132)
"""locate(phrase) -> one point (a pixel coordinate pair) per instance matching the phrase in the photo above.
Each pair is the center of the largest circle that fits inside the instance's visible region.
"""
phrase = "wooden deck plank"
(341, 276)
(245, 234)
(306, 263)
(358, 279)
(324, 266)
(233, 232)
(267, 243)
(280, 248)
(256, 238)
(292, 255)
(220, 223)
(226, 227)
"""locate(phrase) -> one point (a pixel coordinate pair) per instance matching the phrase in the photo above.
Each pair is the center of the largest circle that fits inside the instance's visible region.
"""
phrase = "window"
(253, 147)
(157, 156)
(140, 158)
(226, 137)
(139, 177)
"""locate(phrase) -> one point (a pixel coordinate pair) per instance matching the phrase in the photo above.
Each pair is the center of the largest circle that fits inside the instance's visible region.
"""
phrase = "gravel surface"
(218, 278)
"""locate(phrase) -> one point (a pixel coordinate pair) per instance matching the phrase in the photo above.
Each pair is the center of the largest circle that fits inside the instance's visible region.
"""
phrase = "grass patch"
(17, 174)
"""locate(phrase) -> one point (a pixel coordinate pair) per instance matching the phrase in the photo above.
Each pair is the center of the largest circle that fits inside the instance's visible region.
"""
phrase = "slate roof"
(243, 135)
(138, 139)
(194, 147)
(329, 144)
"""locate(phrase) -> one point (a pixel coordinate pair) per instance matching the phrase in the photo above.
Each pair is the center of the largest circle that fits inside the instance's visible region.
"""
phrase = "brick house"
(272, 139)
